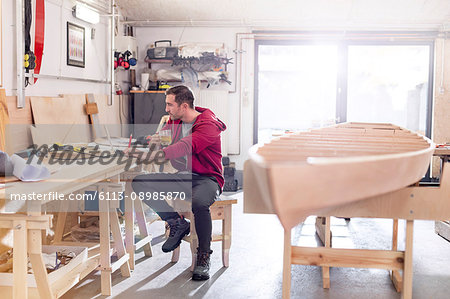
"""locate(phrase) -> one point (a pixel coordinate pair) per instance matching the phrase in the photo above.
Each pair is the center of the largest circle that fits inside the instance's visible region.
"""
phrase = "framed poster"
(75, 45)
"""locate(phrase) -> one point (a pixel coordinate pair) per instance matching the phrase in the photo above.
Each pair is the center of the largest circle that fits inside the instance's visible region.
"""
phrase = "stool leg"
(194, 241)
(176, 254)
(226, 235)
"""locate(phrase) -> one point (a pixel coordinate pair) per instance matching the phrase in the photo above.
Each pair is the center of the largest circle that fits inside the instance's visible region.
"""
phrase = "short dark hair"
(183, 94)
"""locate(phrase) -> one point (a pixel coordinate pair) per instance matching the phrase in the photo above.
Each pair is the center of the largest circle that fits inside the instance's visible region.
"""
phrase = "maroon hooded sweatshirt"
(202, 148)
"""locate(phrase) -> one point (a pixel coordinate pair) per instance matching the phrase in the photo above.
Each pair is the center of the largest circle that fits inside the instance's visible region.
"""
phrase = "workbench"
(27, 228)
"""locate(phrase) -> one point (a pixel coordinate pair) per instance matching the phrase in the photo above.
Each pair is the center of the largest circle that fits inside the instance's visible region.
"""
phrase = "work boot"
(201, 270)
(178, 229)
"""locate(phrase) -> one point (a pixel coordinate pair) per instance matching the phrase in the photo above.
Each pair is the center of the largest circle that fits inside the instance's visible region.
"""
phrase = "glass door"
(389, 84)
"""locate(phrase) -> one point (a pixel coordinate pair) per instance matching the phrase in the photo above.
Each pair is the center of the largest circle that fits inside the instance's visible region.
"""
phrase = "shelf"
(158, 60)
(147, 91)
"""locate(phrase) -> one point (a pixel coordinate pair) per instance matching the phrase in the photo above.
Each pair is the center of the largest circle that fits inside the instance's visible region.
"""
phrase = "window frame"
(342, 71)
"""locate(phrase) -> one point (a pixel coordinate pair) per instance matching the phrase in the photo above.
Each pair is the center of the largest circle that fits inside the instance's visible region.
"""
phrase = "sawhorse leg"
(287, 254)
(105, 248)
(37, 262)
(325, 269)
(396, 277)
(133, 205)
(408, 264)
(20, 264)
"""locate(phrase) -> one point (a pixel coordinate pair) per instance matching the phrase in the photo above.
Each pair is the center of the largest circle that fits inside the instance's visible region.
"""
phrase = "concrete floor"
(256, 264)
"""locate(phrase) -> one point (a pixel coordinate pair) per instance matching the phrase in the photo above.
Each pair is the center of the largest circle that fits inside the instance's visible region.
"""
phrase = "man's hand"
(157, 156)
(133, 152)
(155, 139)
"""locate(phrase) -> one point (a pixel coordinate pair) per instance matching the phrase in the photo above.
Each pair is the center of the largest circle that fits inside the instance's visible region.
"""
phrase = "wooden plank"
(4, 119)
(121, 263)
(109, 114)
(287, 262)
(105, 259)
(61, 221)
(327, 243)
(37, 262)
(408, 264)
(97, 131)
(64, 110)
(65, 283)
(20, 289)
(118, 245)
(321, 229)
(18, 130)
(354, 258)
(142, 223)
(226, 233)
(61, 119)
(441, 104)
(144, 241)
(395, 274)
(194, 239)
(411, 203)
(129, 218)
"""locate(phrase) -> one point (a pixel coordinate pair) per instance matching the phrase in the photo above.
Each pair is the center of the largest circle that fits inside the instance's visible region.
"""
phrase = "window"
(305, 85)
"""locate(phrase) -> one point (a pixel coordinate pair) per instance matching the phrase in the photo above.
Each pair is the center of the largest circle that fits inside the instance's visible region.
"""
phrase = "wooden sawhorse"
(410, 203)
(108, 222)
(28, 240)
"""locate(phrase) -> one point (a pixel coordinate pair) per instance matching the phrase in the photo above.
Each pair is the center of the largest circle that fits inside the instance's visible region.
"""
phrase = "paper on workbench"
(29, 172)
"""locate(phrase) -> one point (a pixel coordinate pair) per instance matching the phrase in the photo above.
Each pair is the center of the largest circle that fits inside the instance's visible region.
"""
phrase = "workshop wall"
(58, 13)
(180, 35)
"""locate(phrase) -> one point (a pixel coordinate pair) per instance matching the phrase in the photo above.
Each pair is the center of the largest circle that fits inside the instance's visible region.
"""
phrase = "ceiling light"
(83, 12)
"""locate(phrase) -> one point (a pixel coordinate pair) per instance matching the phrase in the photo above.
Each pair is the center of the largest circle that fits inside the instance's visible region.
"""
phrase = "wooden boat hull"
(295, 189)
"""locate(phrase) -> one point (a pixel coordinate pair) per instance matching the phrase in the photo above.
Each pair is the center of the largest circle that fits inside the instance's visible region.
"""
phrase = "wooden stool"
(220, 210)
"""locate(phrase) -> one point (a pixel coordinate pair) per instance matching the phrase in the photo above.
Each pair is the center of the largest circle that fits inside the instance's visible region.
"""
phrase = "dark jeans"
(202, 191)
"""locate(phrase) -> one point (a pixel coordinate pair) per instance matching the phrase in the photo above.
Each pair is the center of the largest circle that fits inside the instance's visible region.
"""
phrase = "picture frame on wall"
(75, 45)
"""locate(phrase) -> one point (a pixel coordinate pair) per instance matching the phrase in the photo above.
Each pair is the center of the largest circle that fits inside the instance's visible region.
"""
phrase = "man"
(195, 152)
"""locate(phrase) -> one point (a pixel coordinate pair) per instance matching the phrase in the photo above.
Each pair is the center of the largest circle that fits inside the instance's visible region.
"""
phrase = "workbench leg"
(408, 267)
(20, 261)
(287, 264)
(325, 269)
(396, 277)
(37, 262)
(105, 259)
(143, 231)
(129, 222)
(118, 242)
